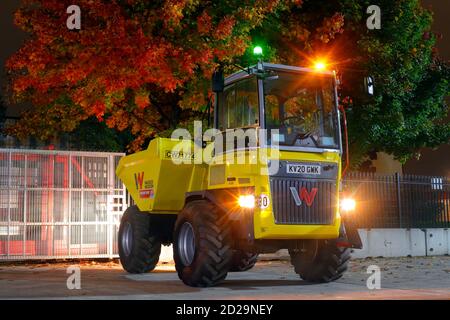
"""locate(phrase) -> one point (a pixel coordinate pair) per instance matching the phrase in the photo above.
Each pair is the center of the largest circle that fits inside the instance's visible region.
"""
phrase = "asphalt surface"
(400, 278)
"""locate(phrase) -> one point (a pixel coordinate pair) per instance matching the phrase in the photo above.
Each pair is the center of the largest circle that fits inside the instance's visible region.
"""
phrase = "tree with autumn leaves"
(145, 66)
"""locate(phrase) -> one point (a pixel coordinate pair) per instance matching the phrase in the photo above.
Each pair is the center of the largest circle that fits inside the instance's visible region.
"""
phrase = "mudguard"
(226, 201)
(348, 234)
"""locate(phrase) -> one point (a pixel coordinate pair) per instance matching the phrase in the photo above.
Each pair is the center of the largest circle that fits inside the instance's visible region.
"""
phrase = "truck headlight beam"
(348, 204)
(246, 201)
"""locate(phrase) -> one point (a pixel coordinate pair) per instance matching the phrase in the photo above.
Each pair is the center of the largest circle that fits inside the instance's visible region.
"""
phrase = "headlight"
(348, 204)
(247, 201)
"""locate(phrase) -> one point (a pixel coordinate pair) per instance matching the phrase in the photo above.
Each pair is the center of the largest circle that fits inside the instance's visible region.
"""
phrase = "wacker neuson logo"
(303, 195)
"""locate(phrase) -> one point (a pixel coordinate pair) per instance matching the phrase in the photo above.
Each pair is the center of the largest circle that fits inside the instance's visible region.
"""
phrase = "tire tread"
(146, 247)
(330, 263)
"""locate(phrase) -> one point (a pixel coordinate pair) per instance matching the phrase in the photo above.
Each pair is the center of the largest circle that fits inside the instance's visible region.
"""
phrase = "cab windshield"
(302, 108)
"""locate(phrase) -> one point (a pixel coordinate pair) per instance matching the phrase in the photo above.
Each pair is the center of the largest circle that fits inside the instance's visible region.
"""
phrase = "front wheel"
(139, 249)
(324, 261)
(202, 251)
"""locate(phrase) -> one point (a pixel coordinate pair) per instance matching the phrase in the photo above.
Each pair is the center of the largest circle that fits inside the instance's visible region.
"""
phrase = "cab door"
(238, 113)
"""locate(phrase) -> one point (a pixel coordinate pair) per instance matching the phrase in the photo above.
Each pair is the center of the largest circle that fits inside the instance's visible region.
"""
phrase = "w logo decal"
(303, 195)
(139, 180)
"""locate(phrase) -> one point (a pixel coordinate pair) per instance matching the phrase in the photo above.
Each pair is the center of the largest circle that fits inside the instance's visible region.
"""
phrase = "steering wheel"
(298, 126)
(300, 119)
(298, 129)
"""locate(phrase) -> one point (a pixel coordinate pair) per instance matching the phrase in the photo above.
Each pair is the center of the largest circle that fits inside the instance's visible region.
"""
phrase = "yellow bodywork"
(158, 185)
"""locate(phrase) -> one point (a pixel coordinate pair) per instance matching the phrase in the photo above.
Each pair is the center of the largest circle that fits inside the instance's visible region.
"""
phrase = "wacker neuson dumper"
(279, 187)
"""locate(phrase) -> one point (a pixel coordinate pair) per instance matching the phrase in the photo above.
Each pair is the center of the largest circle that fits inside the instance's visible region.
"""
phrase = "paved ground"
(402, 278)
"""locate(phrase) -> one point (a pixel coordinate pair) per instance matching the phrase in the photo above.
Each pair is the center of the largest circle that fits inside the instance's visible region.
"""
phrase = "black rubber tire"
(145, 247)
(243, 261)
(328, 264)
(213, 254)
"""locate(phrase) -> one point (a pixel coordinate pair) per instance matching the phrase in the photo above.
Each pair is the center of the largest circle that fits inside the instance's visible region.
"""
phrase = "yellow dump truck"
(277, 188)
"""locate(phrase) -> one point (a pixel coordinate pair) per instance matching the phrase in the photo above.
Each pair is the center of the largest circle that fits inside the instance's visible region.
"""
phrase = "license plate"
(303, 169)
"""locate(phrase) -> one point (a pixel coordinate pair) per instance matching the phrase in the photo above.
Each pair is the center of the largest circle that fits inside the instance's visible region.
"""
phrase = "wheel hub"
(127, 239)
(186, 244)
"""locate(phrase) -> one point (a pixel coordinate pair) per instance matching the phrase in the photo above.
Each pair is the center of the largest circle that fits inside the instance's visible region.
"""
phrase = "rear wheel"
(139, 249)
(243, 260)
(201, 245)
(322, 262)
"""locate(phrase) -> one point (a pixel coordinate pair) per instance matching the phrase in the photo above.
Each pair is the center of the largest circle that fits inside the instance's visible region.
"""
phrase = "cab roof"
(276, 67)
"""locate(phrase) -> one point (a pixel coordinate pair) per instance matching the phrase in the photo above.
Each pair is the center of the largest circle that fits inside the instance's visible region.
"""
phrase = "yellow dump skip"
(153, 179)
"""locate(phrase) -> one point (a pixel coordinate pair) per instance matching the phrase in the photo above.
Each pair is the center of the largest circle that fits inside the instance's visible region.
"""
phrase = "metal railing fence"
(59, 204)
(399, 201)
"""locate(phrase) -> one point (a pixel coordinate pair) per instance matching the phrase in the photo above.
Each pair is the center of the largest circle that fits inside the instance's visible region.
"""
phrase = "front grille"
(319, 209)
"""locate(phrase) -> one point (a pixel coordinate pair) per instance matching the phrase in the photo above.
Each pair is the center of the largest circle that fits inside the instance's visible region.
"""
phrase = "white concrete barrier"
(166, 255)
(391, 243)
(438, 242)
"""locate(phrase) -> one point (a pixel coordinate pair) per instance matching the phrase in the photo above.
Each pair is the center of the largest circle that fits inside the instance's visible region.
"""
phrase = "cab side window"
(239, 105)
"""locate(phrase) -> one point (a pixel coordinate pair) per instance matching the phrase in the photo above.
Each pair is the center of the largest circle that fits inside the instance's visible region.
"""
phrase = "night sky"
(435, 162)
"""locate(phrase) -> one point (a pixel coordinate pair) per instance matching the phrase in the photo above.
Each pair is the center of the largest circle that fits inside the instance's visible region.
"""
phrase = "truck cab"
(293, 114)
(297, 106)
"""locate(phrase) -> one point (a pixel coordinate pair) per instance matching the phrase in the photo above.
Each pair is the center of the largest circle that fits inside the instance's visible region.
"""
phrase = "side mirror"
(368, 84)
(218, 80)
